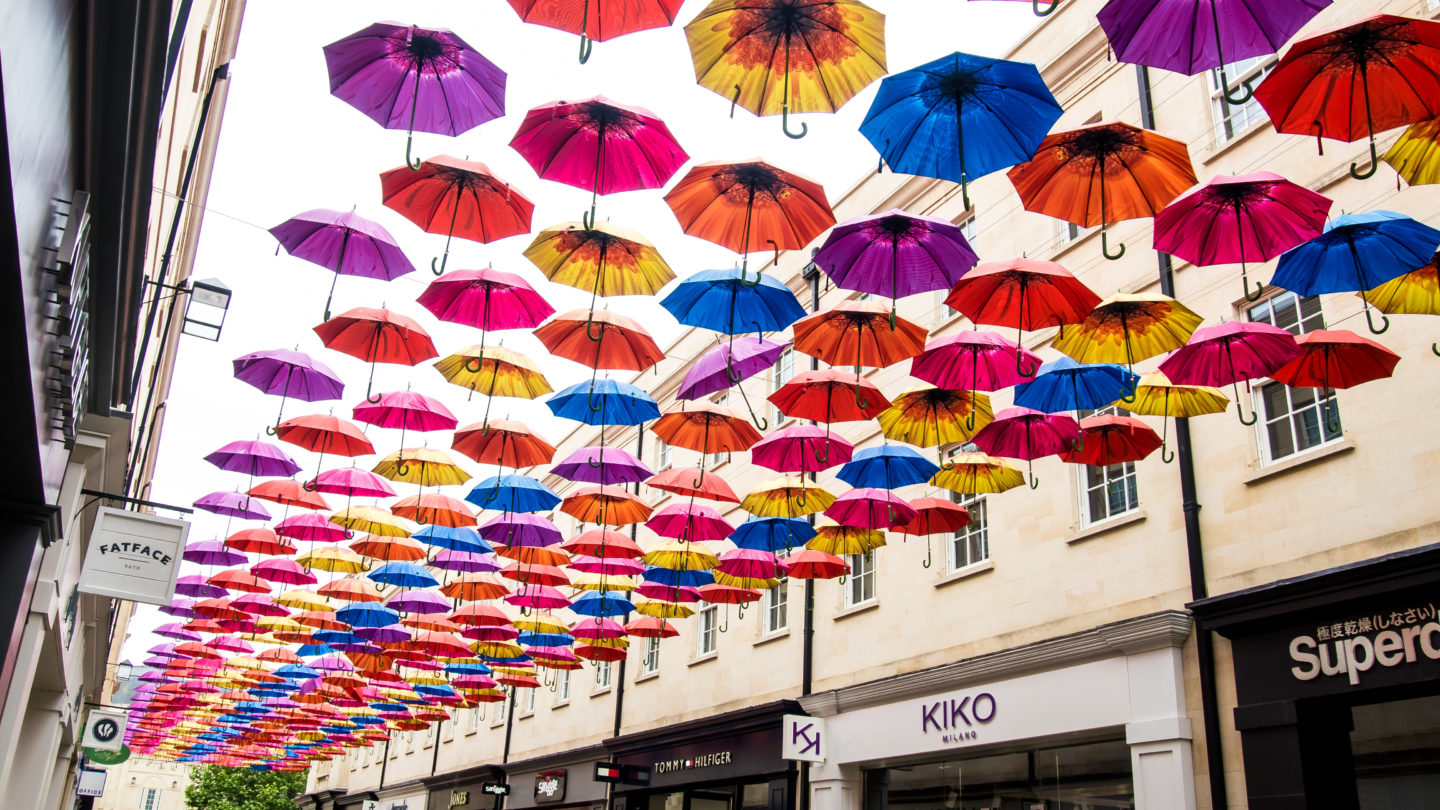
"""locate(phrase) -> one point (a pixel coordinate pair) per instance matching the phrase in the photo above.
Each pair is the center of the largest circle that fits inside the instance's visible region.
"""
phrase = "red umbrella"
(286, 572)
(258, 541)
(934, 516)
(321, 433)
(623, 343)
(598, 20)
(1110, 439)
(288, 492)
(811, 564)
(694, 482)
(434, 510)
(377, 336)
(1025, 294)
(1336, 358)
(237, 579)
(651, 627)
(457, 198)
(811, 395)
(602, 543)
(502, 442)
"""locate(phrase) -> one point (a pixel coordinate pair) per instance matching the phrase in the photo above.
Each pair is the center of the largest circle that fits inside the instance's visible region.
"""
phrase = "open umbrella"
(496, 372)
(1415, 293)
(931, 417)
(291, 374)
(801, 448)
(855, 332)
(604, 402)
(1026, 294)
(623, 342)
(253, 458)
(1229, 352)
(1155, 395)
(602, 465)
(598, 20)
(344, 243)
(486, 299)
(1126, 328)
(691, 481)
(504, 443)
(812, 395)
(1029, 434)
(978, 361)
(457, 198)
(605, 259)
(1336, 358)
(727, 364)
(377, 336)
(1065, 385)
(1416, 155)
(1109, 439)
(889, 466)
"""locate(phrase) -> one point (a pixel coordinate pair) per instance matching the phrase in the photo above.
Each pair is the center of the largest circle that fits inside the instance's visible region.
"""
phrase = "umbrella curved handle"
(380, 586)
(740, 613)
(403, 470)
(822, 457)
(929, 553)
(1034, 482)
(494, 493)
(1245, 283)
(349, 534)
(270, 430)
(595, 464)
(860, 401)
(585, 45)
(1105, 247)
(443, 260)
(308, 486)
(587, 219)
(1166, 455)
(410, 140)
(724, 628)
(1246, 90)
(1045, 10)
(598, 333)
(475, 369)
(1240, 412)
(1370, 321)
(374, 399)
(744, 279)
(590, 402)
(1332, 415)
(1435, 347)
(1020, 364)
(1374, 164)
(800, 499)
(785, 125)
(844, 577)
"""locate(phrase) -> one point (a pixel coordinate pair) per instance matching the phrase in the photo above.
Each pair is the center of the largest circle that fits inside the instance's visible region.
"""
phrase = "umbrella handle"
(1246, 89)
(587, 219)
(443, 260)
(785, 124)
(776, 247)
(595, 336)
(403, 470)
(929, 553)
(735, 99)
(740, 614)
(1332, 413)
(822, 458)
(1077, 445)
(270, 430)
(595, 464)
(745, 280)
(1044, 11)
(1105, 247)
(724, 628)
(760, 422)
(1020, 365)
(1374, 164)
(860, 401)
(590, 402)
(585, 45)
(1245, 283)
(1165, 454)
(1384, 322)
(1034, 482)
(1240, 412)
(475, 369)
(410, 138)
(1435, 347)
(308, 486)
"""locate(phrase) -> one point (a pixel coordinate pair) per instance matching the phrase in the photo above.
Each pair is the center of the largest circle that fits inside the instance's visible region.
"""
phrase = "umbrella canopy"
(494, 371)
(896, 254)
(377, 336)
(513, 493)
(604, 402)
(870, 508)
(602, 544)
(1029, 434)
(350, 481)
(889, 466)
(623, 344)
(1229, 352)
(693, 482)
(421, 466)
(605, 506)
(724, 301)
(841, 540)
(1336, 358)
(935, 516)
(485, 299)
(232, 504)
(1025, 294)
(1065, 385)
(602, 465)
(930, 417)
(977, 361)
(290, 374)
(434, 509)
(406, 410)
(598, 20)
(388, 549)
(457, 198)
(772, 534)
(693, 522)
(705, 427)
(602, 258)
(727, 364)
(344, 243)
(502, 442)
(253, 458)
(859, 333)
(258, 541)
(829, 396)
(1109, 439)
(1126, 328)
(787, 498)
(1155, 395)
(326, 435)
(1415, 293)
(210, 552)
(801, 448)
(288, 492)
(1416, 155)
(310, 527)
(812, 564)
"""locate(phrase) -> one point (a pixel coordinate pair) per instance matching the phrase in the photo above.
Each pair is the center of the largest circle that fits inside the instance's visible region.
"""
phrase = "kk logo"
(803, 738)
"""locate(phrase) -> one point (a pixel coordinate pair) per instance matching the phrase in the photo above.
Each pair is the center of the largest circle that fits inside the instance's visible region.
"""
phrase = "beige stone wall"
(126, 785)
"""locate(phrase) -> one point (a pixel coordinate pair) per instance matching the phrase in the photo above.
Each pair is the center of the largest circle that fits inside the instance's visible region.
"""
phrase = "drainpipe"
(811, 273)
(1190, 505)
(634, 536)
(509, 726)
(384, 761)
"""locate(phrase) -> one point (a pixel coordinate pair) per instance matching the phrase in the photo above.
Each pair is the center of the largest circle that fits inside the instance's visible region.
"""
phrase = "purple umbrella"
(154, 676)
(390, 634)
(291, 374)
(212, 552)
(602, 465)
(896, 254)
(1192, 36)
(521, 529)
(346, 244)
(466, 562)
(254, 458)
(410, 78)
(1028, 434)
(418, 601)
(1229, 352)
(178, 631)
(729, 363)
(196, 586)
(180, 608)
(973, 361)
(233, 504)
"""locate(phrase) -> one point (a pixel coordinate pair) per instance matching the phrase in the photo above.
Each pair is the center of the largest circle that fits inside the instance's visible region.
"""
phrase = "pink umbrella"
(600, 145)
(1028, 434)
(229, 644)
(681, 594)
(284, 571)
(313, 527)
(332, 663)
(259, 604)
(608, 566)
(1227, 353)
(871, 508)
(1249, 218)
(540, 597)
(406, 410)
(801, 448)
(695, 522)
(973, 361)
(486, 299)
(490, 633)
(350, 481)
(750, 563)
(597, 628)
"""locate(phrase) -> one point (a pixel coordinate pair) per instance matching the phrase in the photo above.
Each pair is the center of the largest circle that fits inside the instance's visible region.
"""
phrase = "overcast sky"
(288, 146)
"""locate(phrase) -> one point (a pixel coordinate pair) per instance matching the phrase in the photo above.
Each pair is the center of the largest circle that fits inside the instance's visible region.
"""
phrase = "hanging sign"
(104, 730)
(802, 738)
(133, 556)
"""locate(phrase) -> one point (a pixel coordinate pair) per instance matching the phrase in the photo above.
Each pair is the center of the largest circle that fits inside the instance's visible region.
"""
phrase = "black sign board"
(607, 772)
(495, 789)
(550, 787)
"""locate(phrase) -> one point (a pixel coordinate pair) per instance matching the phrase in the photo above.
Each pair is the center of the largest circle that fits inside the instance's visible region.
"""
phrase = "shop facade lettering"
(701, 761)
(1352, 647)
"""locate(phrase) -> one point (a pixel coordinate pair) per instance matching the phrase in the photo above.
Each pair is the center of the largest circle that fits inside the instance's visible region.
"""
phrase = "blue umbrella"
(337, 638)
(1065, 385)
(297, 671)
(726, 302)
(459, 538)
(512, 493)
(404, 574)
(773, 533)
(1357, 252)
(678, 579)
(437, 690)
(604, 402)
(467, 668)
(960, 117)
(534, 639)
(888, 466)
(307, 650)
(602, 604)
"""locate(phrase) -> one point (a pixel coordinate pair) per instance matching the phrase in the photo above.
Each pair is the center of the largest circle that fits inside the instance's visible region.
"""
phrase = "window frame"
(774, 601)
(650, 657)
(664, 455)
(562, 688)
(1222, 112)
(1293, 415)
(972, 503)
(862, 571)
(604, 676)
(150, 798)
(778, 378)
(707, 631)
(1127, 471)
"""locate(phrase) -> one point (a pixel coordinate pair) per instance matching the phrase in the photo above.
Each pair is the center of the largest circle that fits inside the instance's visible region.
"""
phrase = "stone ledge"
(1106, 526)
(959, 574)
(1300, 461)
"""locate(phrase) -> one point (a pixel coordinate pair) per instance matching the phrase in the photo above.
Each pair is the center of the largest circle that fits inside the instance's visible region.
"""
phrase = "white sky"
(288, 146)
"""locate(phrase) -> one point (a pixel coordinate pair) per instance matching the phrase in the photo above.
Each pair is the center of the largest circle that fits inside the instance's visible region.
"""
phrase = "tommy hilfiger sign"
(701, 761)
(956, 718)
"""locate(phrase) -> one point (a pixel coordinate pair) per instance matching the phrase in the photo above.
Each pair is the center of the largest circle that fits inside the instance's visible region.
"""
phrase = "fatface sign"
(802, 738)
(133, 556)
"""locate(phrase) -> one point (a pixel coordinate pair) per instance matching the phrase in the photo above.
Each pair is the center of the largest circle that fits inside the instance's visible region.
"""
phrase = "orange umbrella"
(480, 616)
(288, 492)
(602, 543)
(502, 442)
(351, 589)
(321, 620)
(606, 506)
(388, 549)
(438, 644)
(1103, 173)
(474, 587)
(434, 510)
(258, 541)
(859, 333)
(236, 579)
(749, 207)
(533, 555)
(536, 575)
(705, 427)
(623, 342)
(812, 395)
(692, 481)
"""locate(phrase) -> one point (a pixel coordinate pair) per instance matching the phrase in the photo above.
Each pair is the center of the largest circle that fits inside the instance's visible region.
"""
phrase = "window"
(1233, 119)
(971, 544)
(409, 742)
(775, 608)
(784, 372)
(149, 799)
(860, 586)
(711, 459)
(528, 704)
(474, 723)
(650, 661)
(431, 733)
(447, 730)
(1293, 420)
(1106, 492)
(501, 707)
(1069, 232)
(663, 456)
(602, 675)
(562, 687)
(707, 632)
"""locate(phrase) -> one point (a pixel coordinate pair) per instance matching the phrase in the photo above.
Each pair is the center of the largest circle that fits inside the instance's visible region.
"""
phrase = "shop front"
(1337, 680)
(558, 782)
(1090, 721)
(726, 762)
(468, 789)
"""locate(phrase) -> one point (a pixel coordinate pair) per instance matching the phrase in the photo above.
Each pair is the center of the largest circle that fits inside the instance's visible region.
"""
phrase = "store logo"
(1348, 654)
(458, 798)
(702, 761)
(956, 718)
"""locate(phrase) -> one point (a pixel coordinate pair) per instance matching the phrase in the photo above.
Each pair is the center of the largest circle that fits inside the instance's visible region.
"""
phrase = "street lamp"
(205, 314)
(123, 670)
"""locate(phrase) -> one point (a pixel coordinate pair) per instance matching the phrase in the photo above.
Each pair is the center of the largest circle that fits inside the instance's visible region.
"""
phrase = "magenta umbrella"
(418, 600)
(973, 361)
(487, 299)
(1028, 434)
(694, 522)
(406, 410)
(540, 597)
(284, 571)
(674, 594)
(801, 448)
(312, 527)
(871, 508)
(212, 552)
(1249, 218)
(751, 563)
(348, 481)
(291, 374)
(729, 363)
(196, 586)
(600, 145)
(259, 604)
(607, 566)
(233, 504)
(344, 243)
(1227, 353)
(254, 458)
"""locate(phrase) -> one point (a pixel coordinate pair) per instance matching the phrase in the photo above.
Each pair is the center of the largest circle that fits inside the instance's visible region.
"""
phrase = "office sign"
(133, 556)
(802, 738)
(104, 730)
(90, 783)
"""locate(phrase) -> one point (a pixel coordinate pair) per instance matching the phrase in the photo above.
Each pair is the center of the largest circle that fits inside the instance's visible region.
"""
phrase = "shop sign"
(495, 789)
(458, 798)
(549, 787)
(104, 730)
(956, 718)
(802, 738)
(1358, 644)
(709, 760)
(133, 556)
(90, 783)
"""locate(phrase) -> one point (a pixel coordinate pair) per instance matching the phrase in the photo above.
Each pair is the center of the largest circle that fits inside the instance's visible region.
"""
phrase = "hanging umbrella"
(1416, 155)
(609, 18)
(1109, 439)
(388, 549)
(487, 299)
(344, 243)
(291, 374)
(403, 574)
(326, 435)
(801, 448)
(934, 516)
(705, 427)
(1229, 352)
(605, 259)
(513, 493)
(496, 372)
(1155, 395)
(287, 492)
(718, 368)
(854, 332)
(772, 534)
(1126, 328)
(843, 540)
(457, 198)
(406, 411)
(870, 508)
(350, 482)
(691, 481)
(1395, 61)
(1025, 294)
(434, 509)
(232, 504)
(211, 552)
(677, 557)
(977, 361)
(812, 395)
(332, 559)
(1190, 37)
(623, 343)
(1028, 434)
(600, 145)
(1065, 385)
(651, 627)
(1335, 359)
(814, 54)
(372, 520)
(423, 467)
(253, 458)
(920, 118)
(691, 522)
(787, 498)
(602, 465)
(604, 402)
(1415, 293)
(258, 541)
(377, 336)
(889, 466)
(310, 527)
(1103, 173)
(521, 530)
(749, 207)
(454, 538)
(812, 564)
(1230, 219)
(605, 506)
(502, 442)
(1355, 253)
(931, 417)
(425, 79)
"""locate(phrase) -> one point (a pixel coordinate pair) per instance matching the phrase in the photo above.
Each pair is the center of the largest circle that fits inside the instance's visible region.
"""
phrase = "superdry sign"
(1353, 647)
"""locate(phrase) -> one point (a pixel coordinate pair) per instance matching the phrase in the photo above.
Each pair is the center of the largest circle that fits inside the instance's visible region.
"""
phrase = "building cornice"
(720, 726)
(1168, 628)
(573, 756)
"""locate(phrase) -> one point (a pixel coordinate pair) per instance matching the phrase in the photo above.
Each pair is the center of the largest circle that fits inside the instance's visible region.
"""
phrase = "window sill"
(1218, 149)
(604, 690)
(855, 610)
(525, 715)
(965, 573)
(704, 659)
(647, 676)
(1106, 526)
(560, 705)
(470, 731)
(1298, 461)
(769, 637)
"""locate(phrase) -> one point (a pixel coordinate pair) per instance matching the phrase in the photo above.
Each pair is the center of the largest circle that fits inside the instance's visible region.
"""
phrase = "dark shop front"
(1337, 677)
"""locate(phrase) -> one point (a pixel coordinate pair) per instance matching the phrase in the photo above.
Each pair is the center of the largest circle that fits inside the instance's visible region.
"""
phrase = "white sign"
(802, 738)
(134, 556)
(104, 731)
(90, 783)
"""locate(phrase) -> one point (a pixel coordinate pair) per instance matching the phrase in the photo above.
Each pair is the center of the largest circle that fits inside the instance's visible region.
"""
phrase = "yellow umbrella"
(302, 599)
(1155, 395)
(1416, 156)
(605, 259)
(497, 649)
(274, 624)
(678, 555)
(784, 497)
(840, 540)
(1415, 293)
(494, 371)
(977, 473)
(335, 559)
(929, 416)
(664, 610)
(603, 582)
(1128, 328)
(372, 520)
(722, 578)
(542, 623)
(422, 466)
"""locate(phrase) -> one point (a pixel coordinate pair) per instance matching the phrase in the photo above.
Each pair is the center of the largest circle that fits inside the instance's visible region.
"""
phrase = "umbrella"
(843, 540)
(611, 18)
(1231, 219)
(600, 145)
(935, 516)
(454, 538)
(1355, 253)
(811, 395)
(604, 402)
(919, 119)
(692, 522)
(513, 493)
(1065, 385)
(434, 509)
(704, 427)
(693, 482)
(421, 466)
(232, 504)
(772, 533)
(333, 559)
(1229, 352)
(1416, 155)
(325, 434)
(1024, 294)
(870, 508)
(1109, 439)
(930, 417)
(344, 243)
(388, 549)
(651, 627)
(496, 371)
(312, 527)
(410, 78)
(403, 574)
(820, 53)
(812, 564)
(978, 361)
(1415, 293)
(785, 498)
(602, 258)
(372, 520)
(253, 458)
(889, 466)
(258, 541)
(351, 481)
(1103, 173)
(605, 506)
(722, 367)
(406, 410)
(623, 343)
(1395, 61)
(502, 442)
(801, 448)
(1191, 37)
(748, 206)
(1335, 359)
(602, 544)
(289, 374)
(288, 492)
(1155, 395)
(1029, 434)
(377, 336)
(210, 552)
(1126, 327)
(457, 198)
(855, 331)
(602, 465)
(485, 299)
